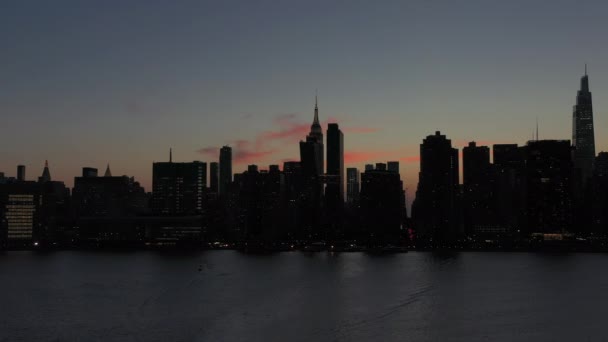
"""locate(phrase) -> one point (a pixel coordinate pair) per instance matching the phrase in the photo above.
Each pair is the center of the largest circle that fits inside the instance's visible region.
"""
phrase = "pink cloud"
(288, 129)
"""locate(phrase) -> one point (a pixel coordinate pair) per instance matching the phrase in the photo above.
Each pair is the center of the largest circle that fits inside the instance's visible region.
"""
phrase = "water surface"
(153, 296)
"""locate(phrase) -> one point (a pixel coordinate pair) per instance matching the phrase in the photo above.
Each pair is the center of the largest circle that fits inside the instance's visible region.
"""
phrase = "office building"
(178, 188)
(435, 211)
(225, 169)
(352, 185)
(583, 137)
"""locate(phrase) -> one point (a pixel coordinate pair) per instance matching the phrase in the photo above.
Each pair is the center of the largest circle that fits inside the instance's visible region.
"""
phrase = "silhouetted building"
(311, 150)
(89, 172)
(596, 199)
(311, 157)
(108, 173)
(260, 208)
(478, 214)
(334, 191)
(214, 177)
(583, 138)
(549, 185)
(107, 196)
(293, 199)
(381, 207)
(369, 167)
(393, 166)
(434, 210)
(178, 188)
(46, 173)
(225, 169)
(21, 173)
(509, 181)
(352, 185)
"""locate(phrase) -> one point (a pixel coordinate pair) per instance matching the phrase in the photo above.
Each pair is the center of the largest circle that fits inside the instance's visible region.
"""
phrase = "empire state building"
(311, 150)
(583, 138)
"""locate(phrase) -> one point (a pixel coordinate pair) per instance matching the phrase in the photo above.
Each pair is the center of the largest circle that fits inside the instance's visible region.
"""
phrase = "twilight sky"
(84, 83)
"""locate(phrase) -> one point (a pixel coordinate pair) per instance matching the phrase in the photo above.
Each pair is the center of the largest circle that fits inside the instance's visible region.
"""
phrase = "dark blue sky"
(83, 83)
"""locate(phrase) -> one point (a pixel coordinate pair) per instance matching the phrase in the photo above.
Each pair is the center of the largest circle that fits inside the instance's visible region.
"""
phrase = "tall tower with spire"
(312, 150)
(108, 173)
(583, 137)
(46, 173)
(316, 131)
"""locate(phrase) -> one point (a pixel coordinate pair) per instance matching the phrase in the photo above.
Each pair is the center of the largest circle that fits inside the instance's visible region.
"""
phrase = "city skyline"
(218, 77)
(316, 134)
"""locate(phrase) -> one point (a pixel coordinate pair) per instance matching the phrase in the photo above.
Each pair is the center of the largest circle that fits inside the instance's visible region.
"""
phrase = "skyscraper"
(225, 169)
(434, 210)
(108, 173)
(549, 196)
(213, 178)
(335, 164)
(477, 189)
(381, 206)
(352, 185)
(583, 138)
(311, 157)
(311, 150)
(177, 188)
(393, 166)
(21, 173)
(46, 173)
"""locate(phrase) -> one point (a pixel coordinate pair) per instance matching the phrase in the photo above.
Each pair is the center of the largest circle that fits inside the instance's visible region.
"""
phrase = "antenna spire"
(537, 128)
(170, 155)
(585, 69)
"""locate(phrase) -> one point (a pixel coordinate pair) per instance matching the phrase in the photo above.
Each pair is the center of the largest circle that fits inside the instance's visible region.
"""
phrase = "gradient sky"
(84, 83)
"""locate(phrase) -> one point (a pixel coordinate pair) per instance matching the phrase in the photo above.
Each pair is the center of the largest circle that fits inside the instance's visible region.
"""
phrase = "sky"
(87, 83)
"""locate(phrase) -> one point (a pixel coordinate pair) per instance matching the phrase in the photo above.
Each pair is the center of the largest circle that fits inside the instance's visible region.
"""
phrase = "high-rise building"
(20, 206)
(393, 166)
(509, 186)
(46, 173)
(178, 188)
(311, 150)
(334, 191)
(225, 169)
(381, 206)
(596, 200)
(434, 210)
(369, 167)
(475, 164)
(352, 185)
(21, 173)
(107, 196)
(108, 173)
(583, 138)
(549, 197)
(214, 171)
(311, 157)
(477, 190)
